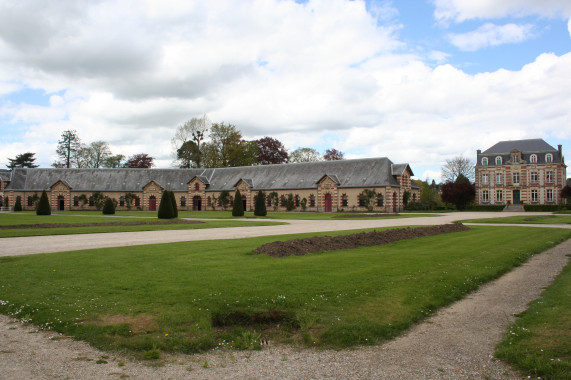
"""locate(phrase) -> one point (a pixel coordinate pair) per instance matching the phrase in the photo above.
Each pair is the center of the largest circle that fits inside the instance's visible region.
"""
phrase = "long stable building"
(520, 171)
(326, 186)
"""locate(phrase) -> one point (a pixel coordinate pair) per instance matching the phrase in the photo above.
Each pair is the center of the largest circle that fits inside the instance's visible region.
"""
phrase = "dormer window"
(515, 158)
(533, 159)
(548, 158)
(484, 161)
(498, 160)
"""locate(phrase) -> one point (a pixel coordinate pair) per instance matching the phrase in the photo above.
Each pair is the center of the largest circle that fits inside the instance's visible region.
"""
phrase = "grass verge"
(194, 296)
(539, 342)
(529, 219)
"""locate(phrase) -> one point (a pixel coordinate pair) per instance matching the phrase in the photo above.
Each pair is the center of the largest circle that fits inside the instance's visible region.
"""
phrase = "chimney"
(479, 151)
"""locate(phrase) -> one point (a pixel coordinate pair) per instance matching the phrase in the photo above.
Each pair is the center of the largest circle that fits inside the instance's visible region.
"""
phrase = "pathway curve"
(59, 243)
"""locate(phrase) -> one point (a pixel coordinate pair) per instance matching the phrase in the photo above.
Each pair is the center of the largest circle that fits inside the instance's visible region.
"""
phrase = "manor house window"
(499, 178)
(485, 178)
(549, 177)
(534, 195)
(484, 161)
(498, 160)
(516, 178)
(548, 158)
(485, 196)
(499, 196)
(534, 177)
(533, 159)
(549, 195)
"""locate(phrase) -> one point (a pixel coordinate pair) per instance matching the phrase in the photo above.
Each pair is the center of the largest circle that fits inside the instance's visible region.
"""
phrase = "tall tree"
(457, 166)
(67, 148)
(24, 160)
(333, 155)
(140, 161)
(194, 130)
(304, 155)
(115, 161)
(227, 148)
(271, 151)
(460, 193)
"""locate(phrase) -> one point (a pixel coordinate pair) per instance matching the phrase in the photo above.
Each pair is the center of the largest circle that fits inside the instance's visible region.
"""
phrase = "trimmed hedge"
(165, 207)
(260, 209)
(543, 207)
(43, 205)
(238, 207)
(18, 204)
(174, 208)
(486, 207)
(109, 207)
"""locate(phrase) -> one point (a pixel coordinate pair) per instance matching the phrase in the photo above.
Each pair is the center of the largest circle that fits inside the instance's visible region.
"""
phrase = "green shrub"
(290, 204)
(223, 198)
(98, 200)
(109, 207)
(238, 207)
(174, 208)
(18, 204)
(543, 207)
(260, 209)
(165, 207)
(43, 205)
(486, 207)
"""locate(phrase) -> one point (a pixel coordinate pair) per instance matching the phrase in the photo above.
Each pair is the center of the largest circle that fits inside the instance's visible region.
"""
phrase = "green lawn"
(30, 218)
(198, 295)
(539, 342)
(526, 219)
(247, 215)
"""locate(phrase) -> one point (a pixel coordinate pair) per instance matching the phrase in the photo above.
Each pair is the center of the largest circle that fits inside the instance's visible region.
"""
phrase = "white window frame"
(484, 161)
(498, 160)
(516, 178)
(548, 158)
(549, 195)
(534, 177)
(533, 159)
(485, 178)
(534, 195)
(549, 177)
(485, 196)
(515, 158)
(499, 196)
(499, 178)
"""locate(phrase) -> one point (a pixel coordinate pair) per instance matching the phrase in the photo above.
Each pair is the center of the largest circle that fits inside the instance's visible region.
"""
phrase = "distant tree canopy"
(187, 142)
(67, 149)
(457, 166)
(304, 155)
(140, 161)
(24, 160)
(271, 151)
(460, 193)
(333, 155)
(227, 148)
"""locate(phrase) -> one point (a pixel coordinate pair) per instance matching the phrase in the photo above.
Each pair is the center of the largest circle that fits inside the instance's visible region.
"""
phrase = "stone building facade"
(520, 172)
(326, 186)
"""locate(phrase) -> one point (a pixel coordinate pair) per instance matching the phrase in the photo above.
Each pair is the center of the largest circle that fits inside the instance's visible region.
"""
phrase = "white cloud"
(462, 10)
(491, 35)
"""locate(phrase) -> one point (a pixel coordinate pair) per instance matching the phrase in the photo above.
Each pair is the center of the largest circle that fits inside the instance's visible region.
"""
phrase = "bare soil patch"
(104, 224)
(142, 323)
(300, 247)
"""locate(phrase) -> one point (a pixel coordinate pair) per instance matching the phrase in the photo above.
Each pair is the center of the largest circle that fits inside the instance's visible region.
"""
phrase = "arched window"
(344, 200)
(533, 159)
(380, 200)
(297, 200)
(548, 158)
(121, 201)
(183, 201)
(484, 161)
(196, 187)
(498, 160)
(312, 200)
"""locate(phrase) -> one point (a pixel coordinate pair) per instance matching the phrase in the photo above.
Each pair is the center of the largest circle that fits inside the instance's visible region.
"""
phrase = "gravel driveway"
(456, 343)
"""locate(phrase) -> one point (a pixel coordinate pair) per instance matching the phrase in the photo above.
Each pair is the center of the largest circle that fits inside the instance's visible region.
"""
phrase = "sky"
(417, 81)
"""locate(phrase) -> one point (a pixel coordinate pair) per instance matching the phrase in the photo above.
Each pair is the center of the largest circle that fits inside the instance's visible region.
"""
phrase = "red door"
(152, 203)
(395, 203)
(328, 203)
(196, 203)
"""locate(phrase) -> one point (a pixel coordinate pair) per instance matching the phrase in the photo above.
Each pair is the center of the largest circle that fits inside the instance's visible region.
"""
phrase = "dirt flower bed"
(348, 216)
(64, 225)
(300, 247)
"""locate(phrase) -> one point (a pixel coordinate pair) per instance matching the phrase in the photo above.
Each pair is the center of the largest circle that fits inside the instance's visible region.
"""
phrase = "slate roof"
(5, 175)
(526, 147)
(371, 172)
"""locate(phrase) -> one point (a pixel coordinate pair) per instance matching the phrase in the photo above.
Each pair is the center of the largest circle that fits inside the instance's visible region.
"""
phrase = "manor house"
(324, 186)
(520, 171)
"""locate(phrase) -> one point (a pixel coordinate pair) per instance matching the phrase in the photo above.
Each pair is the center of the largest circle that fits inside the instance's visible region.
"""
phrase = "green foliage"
(18, 204)
(289, 204)
(98, 200)
(238, 207)
(460, 193)
(275, 200)
(406, 197)
(165, 207)
(539, 208)
(303, 204)
(109, 207)
(83, 200)
(173, 200)
(486, 207)
(260, 209)
(367, 198)
(224, 199)
(248, 340)
(24, 160)
(129, 200)
(43, 205)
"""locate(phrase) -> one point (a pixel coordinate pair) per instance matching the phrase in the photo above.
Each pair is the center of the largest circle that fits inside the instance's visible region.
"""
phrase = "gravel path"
(456, 343)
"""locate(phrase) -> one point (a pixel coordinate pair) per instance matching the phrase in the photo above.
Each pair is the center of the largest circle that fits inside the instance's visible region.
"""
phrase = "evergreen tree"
(165, 207)
(18, 204)
(109, 207)
(238, 209)
(260, 209)
(43, 205)
(174, 208)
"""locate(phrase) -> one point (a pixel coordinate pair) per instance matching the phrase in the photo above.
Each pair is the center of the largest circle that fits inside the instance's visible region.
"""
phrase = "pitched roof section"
(370, 172)
(5, 175)
(530, 145)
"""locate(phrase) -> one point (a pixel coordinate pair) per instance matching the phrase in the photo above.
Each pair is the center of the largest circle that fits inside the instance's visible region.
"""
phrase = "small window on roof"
(484, 161)
(498, 160)
(548, 158)
(533, 159)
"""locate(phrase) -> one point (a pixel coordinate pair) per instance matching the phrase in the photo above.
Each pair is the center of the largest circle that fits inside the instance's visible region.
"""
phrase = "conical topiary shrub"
(43, 205)
(260, 209)
(18, 204)
(109, 207)
(238, 207)
(174, 208)
(165, 207)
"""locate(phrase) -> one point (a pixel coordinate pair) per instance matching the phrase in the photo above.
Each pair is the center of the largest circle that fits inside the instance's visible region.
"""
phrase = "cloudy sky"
(416, 81)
